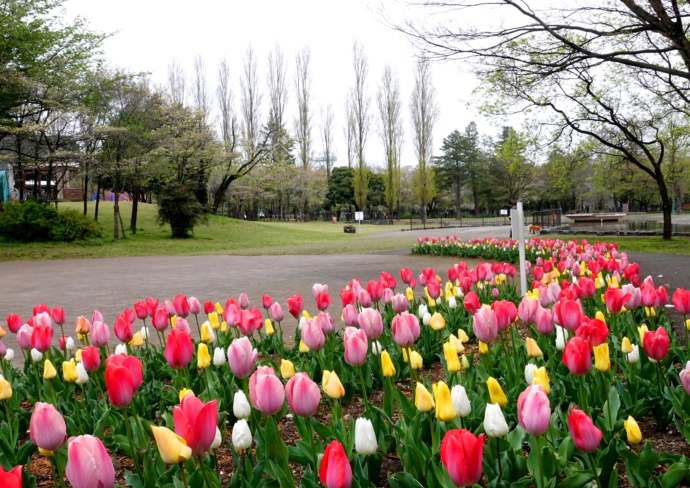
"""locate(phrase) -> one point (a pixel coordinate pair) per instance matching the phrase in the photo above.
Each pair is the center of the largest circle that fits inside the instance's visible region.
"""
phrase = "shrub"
(31, 221)
(178, 206)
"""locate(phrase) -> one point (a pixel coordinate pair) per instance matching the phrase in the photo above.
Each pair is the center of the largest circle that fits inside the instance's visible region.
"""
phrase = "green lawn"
(677, 245)
(219, 236)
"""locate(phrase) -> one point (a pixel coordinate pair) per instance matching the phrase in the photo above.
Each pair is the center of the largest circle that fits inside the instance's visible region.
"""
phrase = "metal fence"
(543, 218)
(546, 218)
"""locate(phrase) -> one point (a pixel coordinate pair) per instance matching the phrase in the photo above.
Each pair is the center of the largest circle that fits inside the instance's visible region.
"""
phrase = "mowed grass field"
(220, 235)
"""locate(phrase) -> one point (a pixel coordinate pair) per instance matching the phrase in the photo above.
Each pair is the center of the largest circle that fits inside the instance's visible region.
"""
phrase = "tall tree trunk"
(666, 204)
(86, 191)
(135, 208)
(458, 199)
(98, 198)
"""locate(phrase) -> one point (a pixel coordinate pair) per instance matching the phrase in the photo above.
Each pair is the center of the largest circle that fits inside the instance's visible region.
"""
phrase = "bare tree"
(200, 92)
(360, 102)
(350, 131)
(177, 82)
(277, 88)
(327, 138)
(390, 112)
(424, 110)
(250, 104)
(303, 89)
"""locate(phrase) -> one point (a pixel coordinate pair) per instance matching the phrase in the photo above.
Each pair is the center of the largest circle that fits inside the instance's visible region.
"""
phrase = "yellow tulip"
(437, 321)
(533, 349)
(49, 371)
(184, 392)
(410, 294)
(387, 365)
(224, 326)
(431, 302)
(173, 321)
(332, 385)
(423, 400)
(626, 346)
(641, 330)
(207, 334)
(416, 360)
(77, 355)
(46, 452)
(462, 335)
(457, 343)
(214, 321)
(632, 430)
(5, 389)
(451, 354)
(287, 369)
(303, 347)
(542, 378)
(600, 316)
(602, 361)
(448, 295)
(496, 392)
(687, 324)
(203, 357)
(219, 309)
(445, 410)
(269, 327)
(173, 448)
(483, 348)
(69, 371)
(448, 286)
(306, 315)
(137, 339)
(650, 311)
(3, 332)
(465, 362)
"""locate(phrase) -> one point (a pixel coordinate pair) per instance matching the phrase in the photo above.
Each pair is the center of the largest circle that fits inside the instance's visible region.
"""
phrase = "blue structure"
(4, 187)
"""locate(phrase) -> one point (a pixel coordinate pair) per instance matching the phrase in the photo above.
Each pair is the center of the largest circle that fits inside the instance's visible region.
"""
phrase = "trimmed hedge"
(32, 222)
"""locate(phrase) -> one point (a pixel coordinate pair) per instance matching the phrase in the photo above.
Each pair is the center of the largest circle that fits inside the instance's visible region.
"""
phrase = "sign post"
(517, 218)
(359, 216)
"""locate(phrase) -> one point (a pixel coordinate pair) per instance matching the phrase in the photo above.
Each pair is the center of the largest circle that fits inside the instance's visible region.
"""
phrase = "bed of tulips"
(542, 390)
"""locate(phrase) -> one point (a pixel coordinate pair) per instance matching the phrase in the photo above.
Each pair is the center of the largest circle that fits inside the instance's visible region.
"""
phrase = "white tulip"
(302, 322)
(36, 355)
(634, 356)
(9, 356)
(452, 303)
(121, 349)
(240, 406)
(69, 344)
(494, 422)
(439, 301)
(145, 332)
(560, 338)
(530, 368)
(376, 348)
(217, 439)
(219, 357)
(462, 404)
(82, 375)
(241, 435)
(427, 318)
(422, 311)
(365, 437)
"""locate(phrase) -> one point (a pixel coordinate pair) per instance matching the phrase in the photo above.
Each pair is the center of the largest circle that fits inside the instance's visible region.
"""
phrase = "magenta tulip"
(313, 336)
(194, 305)
(655, 344)
(123, 329)
(405, 329)
(356, 346)
(534, 411)
(303, 395)
(485, 325)
(461, 454)
(179, 349)
(266, 391)
(242, 357)
(58, 314)
(160, 319)
(88, 463)
(577, 356)
(335, 471)
(100, 334)
(371, 323)
(47, 428)
(91, 358)
(196, 423)
(585, 434)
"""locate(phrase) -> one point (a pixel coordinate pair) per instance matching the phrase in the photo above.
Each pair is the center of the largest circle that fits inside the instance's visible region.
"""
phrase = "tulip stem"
(132, 448)
(312, 441)
(583, 394)
(364, 390)
(57, 475)
(204, 473)
(593, 465)
(10, 427)
(183, 475)
(541, 478)
(433, 432)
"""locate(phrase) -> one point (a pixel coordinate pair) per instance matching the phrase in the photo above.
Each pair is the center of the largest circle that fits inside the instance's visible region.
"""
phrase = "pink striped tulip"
(371, 323)
(356, 346)
(47, 428)
(303, 395)
(242, 357)
(88, 463)
(534, 411)
(266, 391)
(196, 423)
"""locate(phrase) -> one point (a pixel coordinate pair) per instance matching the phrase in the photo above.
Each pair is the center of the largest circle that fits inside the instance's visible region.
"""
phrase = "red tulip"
(471, 302)
(141, 310)
(41, 308)
(594, 331)
(196, 423)
(648, 295)
(681, 300)
(295, 305)
(123, 376)
(58, 314)
(656, 344)
(406, 275)
(151, 305)
(587, 287)
(12, 478)
(210, 307)
(91, 358)
(615, 299)
(335, 471)
(375, 290)
(160, 319)
(323, 301)
(585, 434)
(42, 337)
(534, 411)
(266, 391)
(506, 313)
(371, 323)
(433, 288)
(389, 279)
(250, 321)
(427, 275)
(538, 273)
(47, 427)
(129, 315)
(661, 297)
(577, 356)
(181, 305)
(356, 346)
(123, 329)
(88, 463)
(461, 454)
(347, 297)
(485, 325)
(303, 395)
(405, 329)
(179, 349)
(266, 302)
(242, 357)
(194, 305)
(568, 314)
(14, 322)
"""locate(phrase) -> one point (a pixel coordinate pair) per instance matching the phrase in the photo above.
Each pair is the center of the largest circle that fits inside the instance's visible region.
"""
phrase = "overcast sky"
(149, 34)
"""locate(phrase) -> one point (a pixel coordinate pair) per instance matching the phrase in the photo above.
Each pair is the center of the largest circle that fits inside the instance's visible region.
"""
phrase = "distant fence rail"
(544, 218)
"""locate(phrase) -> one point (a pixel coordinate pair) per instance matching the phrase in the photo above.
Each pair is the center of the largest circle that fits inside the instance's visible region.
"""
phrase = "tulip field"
(446, 378)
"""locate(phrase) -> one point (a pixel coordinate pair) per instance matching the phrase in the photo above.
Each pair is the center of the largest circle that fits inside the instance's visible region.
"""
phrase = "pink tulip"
(169, 307)
(325, 322)
(585, 434)
(461, 454)
(196, 423)
(568, 314)
(47, 428)
(250, 321)
(88, 463)
(141, 310)
(406, 275)
(303, 395)
(181, 305)
(318, 288)
(58, 314)
(635, 296)
(506, 313)
(43, 319)
(91, 358)
(151, 305)
(100, 334)
(615, 299)
(194, 305)
(433, 288)
(242, 357)
(42, 337)
(160, 319)
(388, 280)
(123, 329)
(399, 302)
(681, 300)
(364, 298)
(685, 377)
(182, 325)
(544, 320)
(350, 315)
(266, 391)
(335, 470)
(387, 296)
(313, 335)
(485, 325)
(356, 346)
(371, 323)
(375, 290)
(129, 315)
(594, 331)
(179, 349)
(132, 364)
(243, 301)
(276, 312)
(471, 302)
(266, 301)
(24, 336)
(97, 316)
(586, 284)
(405, 329)
(527, 310)
(534, 411)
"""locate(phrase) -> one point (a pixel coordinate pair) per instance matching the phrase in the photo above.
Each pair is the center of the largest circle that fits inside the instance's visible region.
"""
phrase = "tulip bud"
(387, 365)
(634, 356)
(49, 371)
(426, 319)
(36, 355)
(214, 320)
(47, 427)
(533, 349)
(585, 434)
(241, 435)
(483, 348)
(496, 392)
(560, 338)
(219, 357)
(461, 402)
(269, 327)
(240, 405)
(5, 389)
(450, 354)
(203, 357)
(69, 371)
(82, 375)
(376, 348)
(626, 346)
(287, 369)
(602, 361)
(423, 400)
(303, 348)
(172, 448)
(494, 422)
(465, 363)
(365, 437)
(445, 409)
(332, 386)
(416, 360)
(530, 368)
(632, 430)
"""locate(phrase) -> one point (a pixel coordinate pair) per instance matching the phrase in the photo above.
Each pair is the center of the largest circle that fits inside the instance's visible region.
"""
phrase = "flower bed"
(435, 382)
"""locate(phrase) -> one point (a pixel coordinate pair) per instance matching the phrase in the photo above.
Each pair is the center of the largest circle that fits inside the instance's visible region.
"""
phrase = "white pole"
(518, 223)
